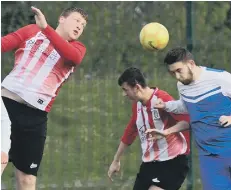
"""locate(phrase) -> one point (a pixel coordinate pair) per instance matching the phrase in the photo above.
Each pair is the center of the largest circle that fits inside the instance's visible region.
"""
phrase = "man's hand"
(155, 134)
(4, 158)
(160, 104)
(225, 120)
(115, 167)
(39, 18)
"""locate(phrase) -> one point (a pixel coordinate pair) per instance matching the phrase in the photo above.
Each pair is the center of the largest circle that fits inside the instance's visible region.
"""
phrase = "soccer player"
(5, 136)
(44, 59)
(205, 94)
(165, 163)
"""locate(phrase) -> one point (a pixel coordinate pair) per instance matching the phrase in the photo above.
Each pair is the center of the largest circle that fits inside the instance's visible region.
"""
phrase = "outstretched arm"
(13, 40)
(71, 52)
(166, 102)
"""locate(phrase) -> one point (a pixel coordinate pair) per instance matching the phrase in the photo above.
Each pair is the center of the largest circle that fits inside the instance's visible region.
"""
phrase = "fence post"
(189, 36)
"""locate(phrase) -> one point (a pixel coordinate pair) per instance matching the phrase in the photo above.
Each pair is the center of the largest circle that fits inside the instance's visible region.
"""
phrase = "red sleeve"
(73, 51)
(130, 132)
(166, 97)
(14, 39)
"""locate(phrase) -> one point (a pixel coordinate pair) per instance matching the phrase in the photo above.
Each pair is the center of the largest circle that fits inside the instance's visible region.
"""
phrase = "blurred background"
(90, 114)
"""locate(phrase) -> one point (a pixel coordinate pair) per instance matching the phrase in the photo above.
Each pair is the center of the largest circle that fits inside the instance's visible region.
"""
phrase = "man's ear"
(138, 87)
(61, 19)
(191, 64)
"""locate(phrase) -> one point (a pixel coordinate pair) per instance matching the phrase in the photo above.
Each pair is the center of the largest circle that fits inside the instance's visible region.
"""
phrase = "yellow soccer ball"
(154, 36)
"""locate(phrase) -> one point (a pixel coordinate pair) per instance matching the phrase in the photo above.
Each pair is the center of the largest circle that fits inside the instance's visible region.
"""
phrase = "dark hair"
(70, 10)
(178, 54)
(132, 76)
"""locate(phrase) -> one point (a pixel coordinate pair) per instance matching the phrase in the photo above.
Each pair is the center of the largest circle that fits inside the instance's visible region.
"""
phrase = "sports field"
(83, 134)
(90, 114)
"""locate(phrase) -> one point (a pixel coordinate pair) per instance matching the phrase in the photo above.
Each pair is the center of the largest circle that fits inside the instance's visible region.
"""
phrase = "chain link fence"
(90, 114)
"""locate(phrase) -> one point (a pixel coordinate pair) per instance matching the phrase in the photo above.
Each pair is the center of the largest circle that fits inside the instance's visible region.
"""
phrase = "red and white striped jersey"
(145, 117)
(43, 61)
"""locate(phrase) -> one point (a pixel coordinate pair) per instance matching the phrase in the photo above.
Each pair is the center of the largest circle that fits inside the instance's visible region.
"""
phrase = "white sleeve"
(225, 82)
(176, 106)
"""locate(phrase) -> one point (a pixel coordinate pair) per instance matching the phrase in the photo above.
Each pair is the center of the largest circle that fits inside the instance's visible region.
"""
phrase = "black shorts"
(28, 135)
(168, 175)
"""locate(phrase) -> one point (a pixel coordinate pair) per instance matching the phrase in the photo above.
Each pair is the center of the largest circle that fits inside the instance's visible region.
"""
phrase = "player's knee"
(26, 180)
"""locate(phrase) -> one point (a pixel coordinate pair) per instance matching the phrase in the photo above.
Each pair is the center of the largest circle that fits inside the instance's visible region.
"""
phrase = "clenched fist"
(160, 104)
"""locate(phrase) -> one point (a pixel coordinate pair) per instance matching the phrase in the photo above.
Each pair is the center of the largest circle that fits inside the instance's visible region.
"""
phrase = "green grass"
(84, 130)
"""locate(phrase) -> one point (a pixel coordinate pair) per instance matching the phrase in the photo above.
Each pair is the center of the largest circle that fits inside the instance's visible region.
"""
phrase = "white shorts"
(5, 129)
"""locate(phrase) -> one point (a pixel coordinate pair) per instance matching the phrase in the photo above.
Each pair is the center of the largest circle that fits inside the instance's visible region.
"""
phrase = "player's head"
(132, 82)
(72, 22)
(180, 64)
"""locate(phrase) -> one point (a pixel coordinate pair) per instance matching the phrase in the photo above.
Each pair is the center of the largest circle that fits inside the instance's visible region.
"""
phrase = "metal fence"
(90, 114)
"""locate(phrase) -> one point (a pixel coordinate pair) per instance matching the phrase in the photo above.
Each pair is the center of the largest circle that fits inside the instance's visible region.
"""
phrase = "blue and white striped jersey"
(205, 100)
